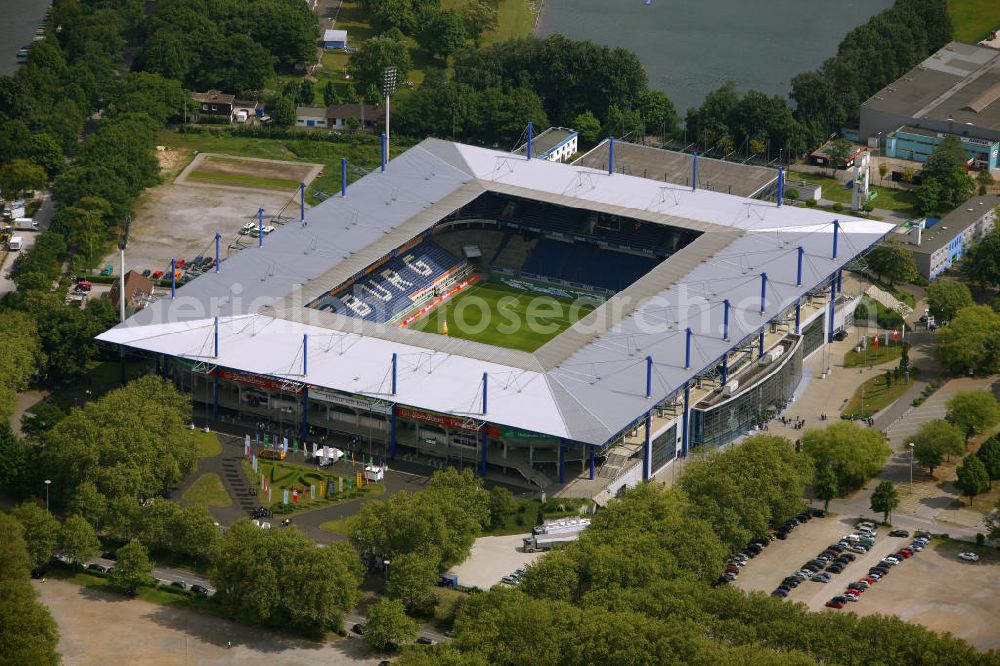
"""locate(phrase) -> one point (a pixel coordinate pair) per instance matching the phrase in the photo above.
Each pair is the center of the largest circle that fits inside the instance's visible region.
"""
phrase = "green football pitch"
(495, 314)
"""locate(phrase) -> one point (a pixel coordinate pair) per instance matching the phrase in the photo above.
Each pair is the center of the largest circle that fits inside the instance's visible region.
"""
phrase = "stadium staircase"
(888, 300)
(615, 464)
(533, 476)
(515, 253)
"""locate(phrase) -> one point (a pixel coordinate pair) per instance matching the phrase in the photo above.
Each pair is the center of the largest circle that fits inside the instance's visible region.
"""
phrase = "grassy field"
(887, 199)
(208, 490)
(208, 443)
(877, 397)
(284, 475)
(974, 19)
(256, 182)
(328, 153)
(883, 354)
(499, 315)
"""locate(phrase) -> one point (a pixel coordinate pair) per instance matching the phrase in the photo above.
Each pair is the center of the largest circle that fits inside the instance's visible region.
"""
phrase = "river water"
(18, 20)
(691, 47)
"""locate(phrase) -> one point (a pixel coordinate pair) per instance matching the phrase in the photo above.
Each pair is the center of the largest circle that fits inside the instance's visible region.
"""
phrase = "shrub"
(837, 207)
(811, 203)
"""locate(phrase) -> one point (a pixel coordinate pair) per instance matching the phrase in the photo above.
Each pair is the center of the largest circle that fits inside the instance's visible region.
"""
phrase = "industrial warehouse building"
(707, 304)
(956, 91)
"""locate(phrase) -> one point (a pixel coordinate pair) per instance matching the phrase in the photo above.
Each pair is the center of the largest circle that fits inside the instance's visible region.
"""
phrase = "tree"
(283, 576)
(412, 577)
(17, 461)
(973, 479)
(839, 152)
(306, 92)
(330, 96)
(825, 486)
(133, 567)
(745, 490)
(982, 261)
(985, 181)
(194, 532)
(288, 30)
(945, 170)
(929, 196)
(388, 626)
(973, 412)
(28, 634)
(934, 441)
(284, 113)
(851, 451)
(373, 56)
(20, 176)
(946, 297)
(989, 453)
(41, 532)
(502, 506)
(969, 344)
(885, 499)
(478, 17)
(77, 540)
(883, 169)
(443, 33)
(892, 260)
(87, 501)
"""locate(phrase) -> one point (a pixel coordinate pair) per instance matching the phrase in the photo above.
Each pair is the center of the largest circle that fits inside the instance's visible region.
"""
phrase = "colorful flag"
(285, 497)
(314, 449)
(253, 461)
(269, 494)
(875, 341)
(895, 335)
(887, 338)
(257, 435)
(312, 491)
(295, 496)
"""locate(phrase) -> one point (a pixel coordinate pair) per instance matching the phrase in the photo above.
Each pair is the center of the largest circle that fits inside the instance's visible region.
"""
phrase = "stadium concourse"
(616, 322)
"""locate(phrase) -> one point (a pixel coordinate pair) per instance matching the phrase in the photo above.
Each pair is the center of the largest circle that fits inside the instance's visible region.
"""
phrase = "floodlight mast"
(388, 88)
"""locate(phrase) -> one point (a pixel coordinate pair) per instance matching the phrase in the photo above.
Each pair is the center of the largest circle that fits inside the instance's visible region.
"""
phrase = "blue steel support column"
(531, 133)
(216, 348)
(684, 422)
(382, 139)
(218, 237)
(394, 361)
(611, 155)
(173, 278)
(725, 320)
(836, 232)
(687, 349)
(260, 227)
(833, 296)
(305, 415)
(215, 394)
(763, 292)
(302, 202)
(798, 273)
(647, 448)
(840, 281)
(305, 354)
(781, 185)
(725, 368)
(649, 376)
(592, 463)
(343, 176)
(760, 343)
(798, 317)
(694, 172)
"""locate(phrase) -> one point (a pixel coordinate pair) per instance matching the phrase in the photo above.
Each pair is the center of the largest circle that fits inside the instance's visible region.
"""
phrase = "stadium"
(552, 325)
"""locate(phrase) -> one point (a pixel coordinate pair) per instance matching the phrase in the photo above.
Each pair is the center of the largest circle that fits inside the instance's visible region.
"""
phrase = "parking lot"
(493, 558)
(933, 588)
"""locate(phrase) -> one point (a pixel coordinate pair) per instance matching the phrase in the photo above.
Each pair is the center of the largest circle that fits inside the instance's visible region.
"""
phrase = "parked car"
(733, 569)
(359, 629)
(891, 560)
(179, 584)
(423, 640)
(779, 593)
(100, 568)
(833, 603)
(821, 578)
(899, 533)
(968, 557)
(200, 590)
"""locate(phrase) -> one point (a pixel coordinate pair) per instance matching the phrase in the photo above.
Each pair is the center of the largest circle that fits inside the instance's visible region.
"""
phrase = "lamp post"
(388, 87)
(911, 467)
(48, 482)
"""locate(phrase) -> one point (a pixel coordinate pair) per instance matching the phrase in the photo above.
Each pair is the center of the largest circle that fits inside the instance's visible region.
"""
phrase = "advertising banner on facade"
(354, 402)
(260, 381)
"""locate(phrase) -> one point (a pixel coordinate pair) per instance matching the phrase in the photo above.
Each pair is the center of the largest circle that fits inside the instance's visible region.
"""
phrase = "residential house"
(213, 104)
(369, 118)
(310, 116)
(138, 291)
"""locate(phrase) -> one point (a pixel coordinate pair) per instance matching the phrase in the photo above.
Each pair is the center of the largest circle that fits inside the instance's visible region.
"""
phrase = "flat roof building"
(670, 166)
(556, 144)
(938, 244)
(956, 90)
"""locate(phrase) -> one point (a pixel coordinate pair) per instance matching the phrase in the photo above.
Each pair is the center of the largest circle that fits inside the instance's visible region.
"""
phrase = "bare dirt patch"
(296, 171)
(102, 628)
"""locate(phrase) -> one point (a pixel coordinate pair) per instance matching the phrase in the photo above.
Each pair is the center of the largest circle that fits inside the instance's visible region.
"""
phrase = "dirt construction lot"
(101, 628)
(493, 558)
(932, 588)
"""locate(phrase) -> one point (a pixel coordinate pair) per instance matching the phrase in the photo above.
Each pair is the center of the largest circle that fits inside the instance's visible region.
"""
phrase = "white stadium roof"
(585, 385)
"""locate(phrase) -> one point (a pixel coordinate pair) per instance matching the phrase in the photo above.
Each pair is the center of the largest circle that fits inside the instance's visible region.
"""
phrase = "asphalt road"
(43, 216)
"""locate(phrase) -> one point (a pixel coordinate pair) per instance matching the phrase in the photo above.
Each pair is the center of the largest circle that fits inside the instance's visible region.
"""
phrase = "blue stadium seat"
(587, 264)
(390, 289)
